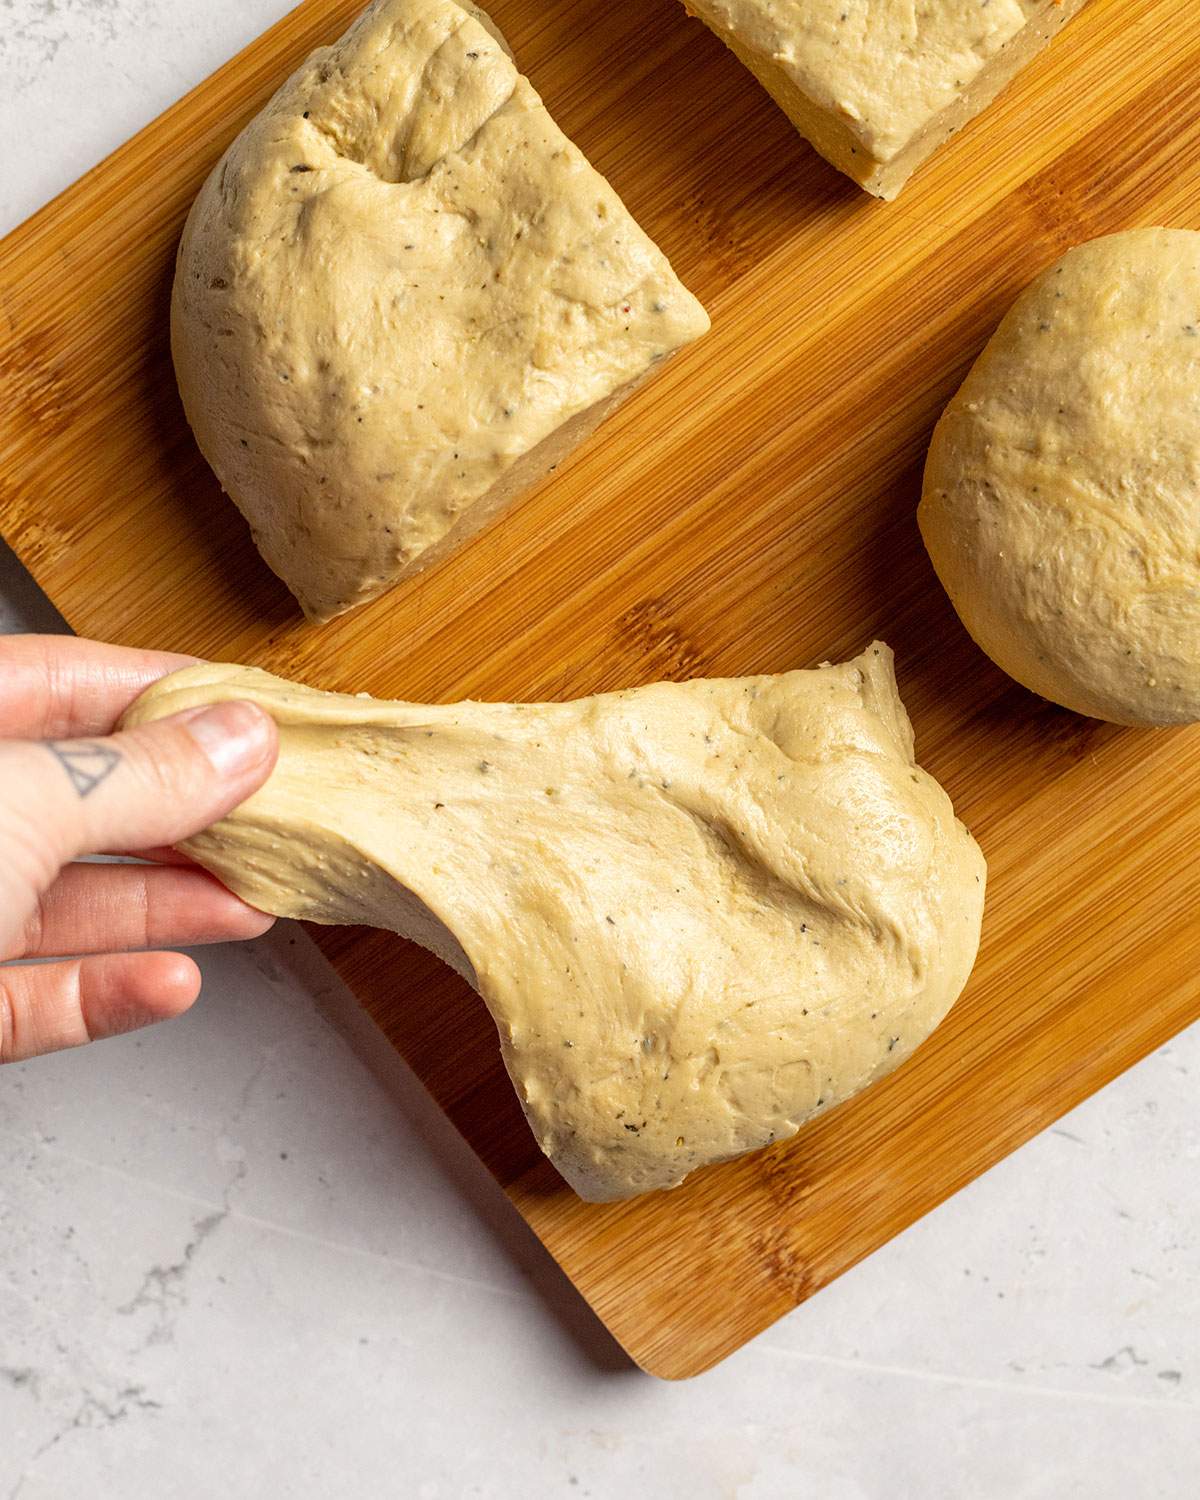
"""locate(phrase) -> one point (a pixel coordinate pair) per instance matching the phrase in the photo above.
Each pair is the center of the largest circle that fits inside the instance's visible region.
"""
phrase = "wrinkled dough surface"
(400, 281)
(698, 912)
(1061, 503)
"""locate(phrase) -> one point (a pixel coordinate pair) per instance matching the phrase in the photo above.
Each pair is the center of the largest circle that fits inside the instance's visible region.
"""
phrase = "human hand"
(69, 786)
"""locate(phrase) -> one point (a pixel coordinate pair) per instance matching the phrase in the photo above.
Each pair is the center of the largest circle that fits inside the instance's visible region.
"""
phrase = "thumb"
(156, 784)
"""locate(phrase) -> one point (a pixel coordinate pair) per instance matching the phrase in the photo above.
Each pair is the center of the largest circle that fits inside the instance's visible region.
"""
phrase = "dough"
(403, 296)
(878, 85)
(1061, 504)
(698, 912)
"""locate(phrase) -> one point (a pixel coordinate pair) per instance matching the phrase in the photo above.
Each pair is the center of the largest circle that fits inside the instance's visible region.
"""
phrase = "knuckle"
(138, 895)
(35, 926)
(19, 650)
(32, 667)
(8, 1021)
(32, 847)
(79, 1006)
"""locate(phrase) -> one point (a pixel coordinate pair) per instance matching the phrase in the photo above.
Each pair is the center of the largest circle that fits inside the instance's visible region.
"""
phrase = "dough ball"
(1061, 504)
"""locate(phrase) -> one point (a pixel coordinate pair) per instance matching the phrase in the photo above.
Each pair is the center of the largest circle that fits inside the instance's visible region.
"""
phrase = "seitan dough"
(699, 913)
(1061, 503)
(878, 85)
(401, 297)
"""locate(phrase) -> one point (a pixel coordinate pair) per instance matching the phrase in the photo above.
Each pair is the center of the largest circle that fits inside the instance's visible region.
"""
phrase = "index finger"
(57, 685)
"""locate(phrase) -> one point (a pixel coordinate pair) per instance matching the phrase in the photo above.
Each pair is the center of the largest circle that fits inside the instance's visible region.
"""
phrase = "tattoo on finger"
(85, 762)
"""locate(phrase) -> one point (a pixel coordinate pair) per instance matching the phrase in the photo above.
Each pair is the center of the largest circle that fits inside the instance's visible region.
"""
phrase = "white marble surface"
(233, 1264)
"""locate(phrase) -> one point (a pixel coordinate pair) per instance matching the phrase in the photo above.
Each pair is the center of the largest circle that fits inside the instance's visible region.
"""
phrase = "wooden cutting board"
(750, 510)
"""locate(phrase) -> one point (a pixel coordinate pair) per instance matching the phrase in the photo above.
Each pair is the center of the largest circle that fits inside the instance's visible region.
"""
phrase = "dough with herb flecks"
(877, 85)
(403, 296)
(699, 913)
(1061, 503)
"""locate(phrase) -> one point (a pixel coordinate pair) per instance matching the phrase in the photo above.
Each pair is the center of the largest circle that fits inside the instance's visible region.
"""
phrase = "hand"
(69, 786)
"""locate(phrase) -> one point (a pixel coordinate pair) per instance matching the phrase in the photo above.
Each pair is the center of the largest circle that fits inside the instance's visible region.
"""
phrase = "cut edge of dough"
(520, 478)
(832, 137)
(281, 545)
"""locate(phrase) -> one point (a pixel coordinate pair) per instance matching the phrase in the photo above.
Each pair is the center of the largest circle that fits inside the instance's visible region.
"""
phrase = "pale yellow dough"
(698, 912)
(401, 297)
(877, 85)
(1061, 503)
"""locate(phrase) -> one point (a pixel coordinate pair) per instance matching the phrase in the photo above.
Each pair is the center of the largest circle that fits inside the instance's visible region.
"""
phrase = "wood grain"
(750, 510)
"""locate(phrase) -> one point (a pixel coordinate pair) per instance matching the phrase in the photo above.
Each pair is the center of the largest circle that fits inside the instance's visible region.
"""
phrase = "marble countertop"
(232, 1263)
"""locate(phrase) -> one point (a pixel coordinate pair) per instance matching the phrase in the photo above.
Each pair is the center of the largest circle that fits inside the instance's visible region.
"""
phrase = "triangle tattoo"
(86, 763)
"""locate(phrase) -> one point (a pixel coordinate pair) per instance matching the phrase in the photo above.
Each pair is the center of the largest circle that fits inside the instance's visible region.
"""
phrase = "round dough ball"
(1061, 504)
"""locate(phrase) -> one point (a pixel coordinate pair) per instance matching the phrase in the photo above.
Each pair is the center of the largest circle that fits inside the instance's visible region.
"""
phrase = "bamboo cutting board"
(750, 510)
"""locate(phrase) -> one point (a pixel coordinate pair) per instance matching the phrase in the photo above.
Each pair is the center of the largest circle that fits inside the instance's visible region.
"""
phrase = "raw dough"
(1061, 504)
(878, 85)
(403, 296)
(698, 912)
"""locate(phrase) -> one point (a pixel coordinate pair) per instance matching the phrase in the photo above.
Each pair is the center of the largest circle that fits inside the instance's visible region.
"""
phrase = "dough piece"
(698, 912)
(878, 85)
(1061, 503)
(402, 297)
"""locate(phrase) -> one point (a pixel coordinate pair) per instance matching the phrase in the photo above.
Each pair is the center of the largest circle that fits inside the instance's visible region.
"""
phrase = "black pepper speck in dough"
(1061, 503)
(699, 912)
(878, 85)
(403, 296)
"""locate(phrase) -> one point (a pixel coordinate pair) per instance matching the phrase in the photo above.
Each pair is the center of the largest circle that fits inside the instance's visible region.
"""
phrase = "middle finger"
(103, 908)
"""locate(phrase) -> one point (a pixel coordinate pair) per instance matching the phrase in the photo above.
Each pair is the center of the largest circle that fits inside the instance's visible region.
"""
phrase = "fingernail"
(232, 735)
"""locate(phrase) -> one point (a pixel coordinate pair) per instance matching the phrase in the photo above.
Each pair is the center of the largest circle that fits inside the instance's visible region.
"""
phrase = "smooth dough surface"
(401, 297)
(1061, 503)
(877, 85)
(699, 913)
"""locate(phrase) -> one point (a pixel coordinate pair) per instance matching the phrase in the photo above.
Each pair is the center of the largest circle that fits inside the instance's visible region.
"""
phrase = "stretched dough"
(698, 912)
(402, 297)
(1061, 503)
